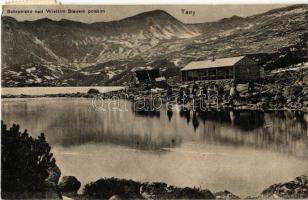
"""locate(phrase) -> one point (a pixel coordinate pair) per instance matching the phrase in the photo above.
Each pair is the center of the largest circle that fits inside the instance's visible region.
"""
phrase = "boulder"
(69, 185)
(54, 175)
(153, 190)
(105, 188)
(295, 189)
(225, 195)
(305, 92)
(112, 188)
(162, 191)
(305, 77)
(292, 91)
(93, 91)
(192, 193)
(115, 197)
(51, 191)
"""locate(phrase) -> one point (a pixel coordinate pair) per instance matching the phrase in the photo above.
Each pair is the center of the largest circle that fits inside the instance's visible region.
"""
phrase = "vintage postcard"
(154, 101)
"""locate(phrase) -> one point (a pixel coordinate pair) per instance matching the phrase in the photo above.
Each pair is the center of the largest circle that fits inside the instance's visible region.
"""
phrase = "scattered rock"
(225, 195)
(295, 189)
(54, 175)
(292, 91)
(115, 197)
(69, 185)
(128, 189)
(152, 190)
(190, 193)
(106, 188)
(283, 90)
(50, 192)
(66, 198)
(162, 191)
(93, 91)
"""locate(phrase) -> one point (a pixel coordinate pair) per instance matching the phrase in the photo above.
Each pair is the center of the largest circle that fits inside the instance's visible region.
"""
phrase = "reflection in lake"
(284, 131)
(74, 122)
(220, 148)
(244, 120)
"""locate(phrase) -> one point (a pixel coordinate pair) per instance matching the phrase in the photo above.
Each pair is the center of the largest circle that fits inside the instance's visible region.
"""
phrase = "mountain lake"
(240, 151)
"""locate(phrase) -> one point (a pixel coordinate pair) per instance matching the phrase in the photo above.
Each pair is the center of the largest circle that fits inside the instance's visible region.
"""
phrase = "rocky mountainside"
(58, 53)
(49, 41)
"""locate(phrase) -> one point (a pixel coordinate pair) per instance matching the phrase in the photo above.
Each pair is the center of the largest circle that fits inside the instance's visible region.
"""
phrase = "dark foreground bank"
(29, 171)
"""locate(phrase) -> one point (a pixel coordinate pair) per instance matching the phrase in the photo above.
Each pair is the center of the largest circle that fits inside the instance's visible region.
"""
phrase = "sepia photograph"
(152, 102)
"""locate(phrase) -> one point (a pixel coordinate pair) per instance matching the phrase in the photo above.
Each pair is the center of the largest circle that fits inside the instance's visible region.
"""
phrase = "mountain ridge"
(69, 51)
(153, 13)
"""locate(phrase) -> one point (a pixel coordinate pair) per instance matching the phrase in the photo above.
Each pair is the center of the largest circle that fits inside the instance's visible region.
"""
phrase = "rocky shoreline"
(120, 189)
(116, 189)
(268, 103)
(286, 90)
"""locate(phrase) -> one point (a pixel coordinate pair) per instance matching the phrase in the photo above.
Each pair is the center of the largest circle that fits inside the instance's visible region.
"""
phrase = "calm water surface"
(243, 152)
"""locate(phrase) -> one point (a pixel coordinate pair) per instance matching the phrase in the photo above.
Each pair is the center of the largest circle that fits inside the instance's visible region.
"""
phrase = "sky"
(196, 14)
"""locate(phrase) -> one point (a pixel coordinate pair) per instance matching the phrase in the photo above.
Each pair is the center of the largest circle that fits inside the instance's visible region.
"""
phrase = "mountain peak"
(158, 14)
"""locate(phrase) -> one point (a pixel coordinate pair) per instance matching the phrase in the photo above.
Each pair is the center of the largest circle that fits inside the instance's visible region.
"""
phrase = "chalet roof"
(205, 64)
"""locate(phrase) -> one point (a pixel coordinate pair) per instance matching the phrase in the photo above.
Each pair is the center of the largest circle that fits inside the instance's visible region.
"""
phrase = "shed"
(237, 68)
(147, 74)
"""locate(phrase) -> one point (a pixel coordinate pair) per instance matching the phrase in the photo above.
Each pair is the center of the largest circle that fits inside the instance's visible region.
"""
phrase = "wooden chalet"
(239, 68)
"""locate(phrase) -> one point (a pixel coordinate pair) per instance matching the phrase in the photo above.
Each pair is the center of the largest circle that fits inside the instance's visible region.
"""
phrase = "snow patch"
(49, 77)
(29, 70)
(110, 74)
(14, 73)
(89, 73)
(299, 66)
(176, 61)
(38, 80)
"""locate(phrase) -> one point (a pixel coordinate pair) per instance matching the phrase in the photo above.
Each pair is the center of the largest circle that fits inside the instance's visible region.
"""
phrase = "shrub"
(24, 160)
(93, 91)
(106, 188)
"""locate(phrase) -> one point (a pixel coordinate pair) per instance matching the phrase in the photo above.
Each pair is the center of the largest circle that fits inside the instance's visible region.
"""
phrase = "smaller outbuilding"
(147, 75)
(240, 68)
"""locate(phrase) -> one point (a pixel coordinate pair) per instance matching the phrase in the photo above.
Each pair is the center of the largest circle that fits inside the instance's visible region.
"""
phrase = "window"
(230, 73)
(212, 74)
(192, 76)
(203, 75)
(221, 73)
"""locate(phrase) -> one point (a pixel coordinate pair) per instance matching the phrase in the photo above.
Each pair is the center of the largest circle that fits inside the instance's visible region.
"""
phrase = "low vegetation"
(24, 162)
